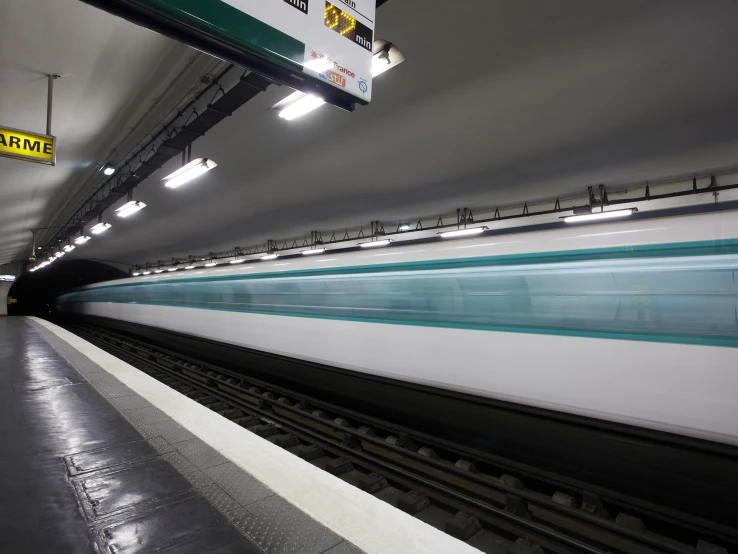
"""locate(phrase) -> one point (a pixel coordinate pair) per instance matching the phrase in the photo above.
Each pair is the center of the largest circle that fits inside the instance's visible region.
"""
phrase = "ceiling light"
(405, 227)
(172, 269)
(298, 104)
(189, 267)
(313, 251)
(463, 232)
(211, 264)
(158, 271)
(270, 257)
(81, 239)
(100, 228)
(386, 56)
(59, 254)
(69, 248)
(375, 243)
(189, 172)
(147, 273)
(109, 170)
(237, 261)
(130, 208)
(136, 274)
(600, 215)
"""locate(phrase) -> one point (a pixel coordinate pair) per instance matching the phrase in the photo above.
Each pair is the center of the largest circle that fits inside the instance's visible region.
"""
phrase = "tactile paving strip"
(274, 524)
(344, 548)
(200, 454)
(239, 484)
(278, 527)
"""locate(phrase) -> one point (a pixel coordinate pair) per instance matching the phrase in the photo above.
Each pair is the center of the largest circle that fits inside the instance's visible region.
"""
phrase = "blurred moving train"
(634, 322)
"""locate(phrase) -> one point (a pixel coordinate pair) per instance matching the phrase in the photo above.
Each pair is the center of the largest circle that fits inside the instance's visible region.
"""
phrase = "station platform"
(100, 457)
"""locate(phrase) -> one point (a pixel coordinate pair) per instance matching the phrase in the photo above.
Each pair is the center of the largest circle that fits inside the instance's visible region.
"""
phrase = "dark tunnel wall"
(35, 292)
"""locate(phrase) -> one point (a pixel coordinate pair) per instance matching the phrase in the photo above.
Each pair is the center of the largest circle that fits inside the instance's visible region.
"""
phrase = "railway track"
(494, 507)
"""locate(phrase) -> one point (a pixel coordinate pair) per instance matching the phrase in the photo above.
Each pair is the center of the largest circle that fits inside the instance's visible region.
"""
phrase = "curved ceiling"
(498, 103)
(115, 78)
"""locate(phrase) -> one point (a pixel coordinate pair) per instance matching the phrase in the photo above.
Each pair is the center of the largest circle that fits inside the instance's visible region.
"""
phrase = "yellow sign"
(30, 147)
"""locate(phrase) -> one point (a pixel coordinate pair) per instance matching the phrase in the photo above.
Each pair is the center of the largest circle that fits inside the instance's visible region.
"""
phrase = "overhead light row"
(187, 173)
(456, 233)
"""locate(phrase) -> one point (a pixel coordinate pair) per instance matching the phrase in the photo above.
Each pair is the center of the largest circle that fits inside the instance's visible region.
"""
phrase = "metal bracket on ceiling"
(50, 102)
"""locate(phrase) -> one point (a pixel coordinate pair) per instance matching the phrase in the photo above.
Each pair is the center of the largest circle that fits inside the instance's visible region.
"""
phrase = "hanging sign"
(319, 46)
(27, 146)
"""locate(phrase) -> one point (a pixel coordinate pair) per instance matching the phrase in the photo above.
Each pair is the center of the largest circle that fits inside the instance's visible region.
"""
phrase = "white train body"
(633, 322)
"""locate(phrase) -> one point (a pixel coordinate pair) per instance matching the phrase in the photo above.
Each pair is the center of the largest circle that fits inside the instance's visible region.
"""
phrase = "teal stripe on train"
(638, 293)
(679, 249)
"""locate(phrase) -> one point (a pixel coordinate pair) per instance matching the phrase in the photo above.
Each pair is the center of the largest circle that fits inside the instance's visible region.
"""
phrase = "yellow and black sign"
(30, 147)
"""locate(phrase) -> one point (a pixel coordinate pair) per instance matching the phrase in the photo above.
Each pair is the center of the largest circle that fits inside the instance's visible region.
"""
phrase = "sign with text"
(313, 45)
(27, 146)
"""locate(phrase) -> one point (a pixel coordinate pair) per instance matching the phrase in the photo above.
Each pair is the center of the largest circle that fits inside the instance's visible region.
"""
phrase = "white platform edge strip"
(367, 522)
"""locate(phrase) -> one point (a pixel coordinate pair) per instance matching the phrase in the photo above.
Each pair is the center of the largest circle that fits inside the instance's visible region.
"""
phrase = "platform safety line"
(369, 523)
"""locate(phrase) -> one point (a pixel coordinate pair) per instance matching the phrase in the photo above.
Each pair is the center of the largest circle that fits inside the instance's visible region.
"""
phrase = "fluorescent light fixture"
(109, 170)
(187, 173)
(211, 264)
(600, 215)
(158, 271)
(313, 251)
(376, 243)
(69, 248)
(172, 269)
(147, 273)
(405, 227)
(463, 232)
(130, 208)
(298, 104)
(59, 254)
(136, 274)
(270, 257)
(81, 239)
(237, 261)
(100, 228)
(189, 267)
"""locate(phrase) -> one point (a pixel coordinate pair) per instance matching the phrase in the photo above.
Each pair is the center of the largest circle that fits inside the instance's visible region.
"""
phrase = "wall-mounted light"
(600, 215)
(189, 172)
(375, 243)
(313, 251)
(463, 232)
